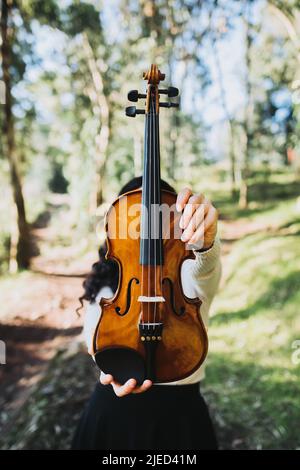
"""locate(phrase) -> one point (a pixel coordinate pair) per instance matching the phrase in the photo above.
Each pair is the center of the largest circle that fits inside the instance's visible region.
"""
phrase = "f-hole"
(172, 298)
(117, 309)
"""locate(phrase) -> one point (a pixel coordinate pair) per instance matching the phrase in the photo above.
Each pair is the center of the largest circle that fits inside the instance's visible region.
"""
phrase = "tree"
(248, 114)
(228, 117)
(100, 102)
(22, 251)
(13, 48)
(84, 24)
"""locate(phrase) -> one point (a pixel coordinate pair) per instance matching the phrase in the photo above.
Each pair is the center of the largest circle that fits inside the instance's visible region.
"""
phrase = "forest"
(67, 147)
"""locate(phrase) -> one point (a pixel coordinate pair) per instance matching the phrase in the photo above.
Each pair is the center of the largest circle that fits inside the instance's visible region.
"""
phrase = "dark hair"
(105, 272)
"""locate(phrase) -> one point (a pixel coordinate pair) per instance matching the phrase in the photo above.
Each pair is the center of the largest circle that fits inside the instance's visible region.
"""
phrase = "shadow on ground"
(50, 415)
(253, 407)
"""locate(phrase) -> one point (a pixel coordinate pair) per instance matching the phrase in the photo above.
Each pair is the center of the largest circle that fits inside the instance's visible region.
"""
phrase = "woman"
(157, 417)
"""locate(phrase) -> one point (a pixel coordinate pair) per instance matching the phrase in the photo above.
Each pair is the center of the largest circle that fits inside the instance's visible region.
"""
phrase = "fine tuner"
(134, 96)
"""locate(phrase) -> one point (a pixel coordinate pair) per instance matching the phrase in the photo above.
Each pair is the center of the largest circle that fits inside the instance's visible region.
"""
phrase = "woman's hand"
(128, 387)
(198, 221)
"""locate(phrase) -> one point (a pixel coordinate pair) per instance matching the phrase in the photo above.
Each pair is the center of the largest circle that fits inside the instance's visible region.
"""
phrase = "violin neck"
(151, 248)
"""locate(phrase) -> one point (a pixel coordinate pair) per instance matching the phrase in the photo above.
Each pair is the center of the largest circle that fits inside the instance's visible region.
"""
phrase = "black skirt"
(166, 417)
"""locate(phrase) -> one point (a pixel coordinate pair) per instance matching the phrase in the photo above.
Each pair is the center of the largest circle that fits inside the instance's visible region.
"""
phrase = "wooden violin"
(149, 329)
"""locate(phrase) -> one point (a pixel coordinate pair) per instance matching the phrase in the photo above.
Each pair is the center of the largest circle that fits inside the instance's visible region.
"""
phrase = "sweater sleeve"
(201, 277)
(92, 316)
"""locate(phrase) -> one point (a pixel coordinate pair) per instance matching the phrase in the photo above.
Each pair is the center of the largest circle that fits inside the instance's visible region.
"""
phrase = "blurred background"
(66, 148)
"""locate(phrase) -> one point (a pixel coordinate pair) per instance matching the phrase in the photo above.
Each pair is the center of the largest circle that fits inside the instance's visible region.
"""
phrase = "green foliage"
(81, 17)
(45, 12)
(252, 383)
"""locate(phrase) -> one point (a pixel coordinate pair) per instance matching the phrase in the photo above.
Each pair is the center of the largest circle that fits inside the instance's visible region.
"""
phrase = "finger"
(196, 242)
(105, 379)
(144, 387)
(122, 390)
(210, 218)
(203, 231)
(182, 198)
(194, 223)
(190, 208)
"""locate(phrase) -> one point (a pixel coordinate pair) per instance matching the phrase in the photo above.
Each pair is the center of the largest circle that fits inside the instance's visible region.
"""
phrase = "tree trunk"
(100, 102)
(23, 251)
(232, 159)
(102, 141)
(243, 199)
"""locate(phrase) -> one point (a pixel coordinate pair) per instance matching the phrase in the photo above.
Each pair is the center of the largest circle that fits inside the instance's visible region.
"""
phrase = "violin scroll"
(154, 77)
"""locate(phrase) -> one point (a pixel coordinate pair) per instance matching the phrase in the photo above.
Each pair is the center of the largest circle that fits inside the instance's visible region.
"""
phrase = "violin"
(149, 329)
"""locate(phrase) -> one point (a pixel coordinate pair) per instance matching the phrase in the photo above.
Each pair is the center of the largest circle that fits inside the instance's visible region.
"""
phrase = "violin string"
(150, 206)
(155, 208)
(159, 211)
(144, 217)
(142, 233)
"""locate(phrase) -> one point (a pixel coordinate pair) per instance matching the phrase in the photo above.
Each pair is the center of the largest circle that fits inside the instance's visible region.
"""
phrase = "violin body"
(183, 343)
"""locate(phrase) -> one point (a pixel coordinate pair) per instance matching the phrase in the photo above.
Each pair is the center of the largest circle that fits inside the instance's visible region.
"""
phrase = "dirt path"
(35, 323)
(37, 318)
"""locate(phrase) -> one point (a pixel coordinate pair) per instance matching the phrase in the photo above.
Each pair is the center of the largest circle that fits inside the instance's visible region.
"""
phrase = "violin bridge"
(144, 298)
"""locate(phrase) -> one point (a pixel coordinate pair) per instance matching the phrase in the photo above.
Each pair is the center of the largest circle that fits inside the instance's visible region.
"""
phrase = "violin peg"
(169, 105)
(170, 91)
(131, 111)
(134, 95)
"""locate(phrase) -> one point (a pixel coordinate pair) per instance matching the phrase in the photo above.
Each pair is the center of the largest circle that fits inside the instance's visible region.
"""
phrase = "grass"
(252, 384)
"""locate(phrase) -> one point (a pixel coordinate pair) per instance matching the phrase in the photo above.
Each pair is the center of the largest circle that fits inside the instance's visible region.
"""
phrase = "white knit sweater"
(200, 278)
